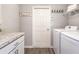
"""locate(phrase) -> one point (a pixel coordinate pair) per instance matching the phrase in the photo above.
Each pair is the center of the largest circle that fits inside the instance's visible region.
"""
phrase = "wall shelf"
(25, 14)
(73, 10)
(72, 13)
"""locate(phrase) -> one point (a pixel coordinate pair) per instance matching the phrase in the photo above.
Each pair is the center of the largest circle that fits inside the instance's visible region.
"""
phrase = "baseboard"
(28, 47)
(35, 47)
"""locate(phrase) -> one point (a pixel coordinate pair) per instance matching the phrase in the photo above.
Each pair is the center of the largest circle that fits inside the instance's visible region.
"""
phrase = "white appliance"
(70, 43)
(71, 28)
(41, 30)
(57, 40)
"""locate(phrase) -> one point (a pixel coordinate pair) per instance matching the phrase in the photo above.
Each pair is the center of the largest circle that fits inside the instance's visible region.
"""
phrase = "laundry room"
(39, 28)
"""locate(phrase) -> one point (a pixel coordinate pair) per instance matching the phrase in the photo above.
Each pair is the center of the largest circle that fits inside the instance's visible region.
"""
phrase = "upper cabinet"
(73, 9)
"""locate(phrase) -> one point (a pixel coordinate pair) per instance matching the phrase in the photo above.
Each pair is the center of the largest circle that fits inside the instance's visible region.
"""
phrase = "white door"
(41, 26)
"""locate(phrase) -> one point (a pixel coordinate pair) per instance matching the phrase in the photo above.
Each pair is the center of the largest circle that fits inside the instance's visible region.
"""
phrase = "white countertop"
(63, 30)
(72, 34)
(6, 38)
(59, 30)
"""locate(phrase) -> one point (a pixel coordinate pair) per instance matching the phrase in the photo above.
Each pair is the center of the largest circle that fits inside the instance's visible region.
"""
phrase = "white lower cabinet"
(69, 45)
(19, 49)
(16, 47)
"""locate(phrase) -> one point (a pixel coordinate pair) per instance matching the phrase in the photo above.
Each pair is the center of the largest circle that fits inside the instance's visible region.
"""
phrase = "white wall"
(26, 22)
(59, 20)
(74, 20)
(10, 17)
(26, 26)
(1, 21)
(59, 6)
(0, 14)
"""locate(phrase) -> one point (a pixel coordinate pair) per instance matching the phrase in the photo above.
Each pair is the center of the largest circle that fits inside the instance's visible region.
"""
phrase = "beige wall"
(74, 20)
(0, 14)
(26, 24)
(10, 17)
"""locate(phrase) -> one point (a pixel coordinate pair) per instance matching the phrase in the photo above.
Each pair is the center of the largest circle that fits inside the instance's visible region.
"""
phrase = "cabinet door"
(21, 48)
(69, 45)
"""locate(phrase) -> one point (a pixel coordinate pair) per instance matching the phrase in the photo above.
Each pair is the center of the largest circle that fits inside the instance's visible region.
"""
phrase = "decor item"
(26, 14)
